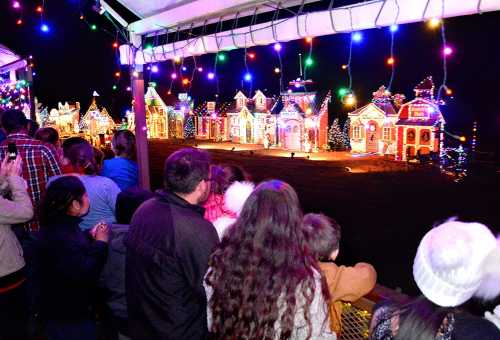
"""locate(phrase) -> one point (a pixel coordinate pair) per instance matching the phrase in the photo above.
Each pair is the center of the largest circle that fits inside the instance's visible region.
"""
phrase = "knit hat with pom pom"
(453, 263)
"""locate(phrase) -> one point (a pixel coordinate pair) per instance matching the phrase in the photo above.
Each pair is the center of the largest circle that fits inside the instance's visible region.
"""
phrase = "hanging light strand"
(444, 56)
(393, 64)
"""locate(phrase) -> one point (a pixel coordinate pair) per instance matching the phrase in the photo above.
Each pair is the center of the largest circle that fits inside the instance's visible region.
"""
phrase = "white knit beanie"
(450, 265)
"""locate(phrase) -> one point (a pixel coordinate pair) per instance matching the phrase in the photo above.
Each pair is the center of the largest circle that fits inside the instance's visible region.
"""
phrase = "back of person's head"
(14, 121)
(48, 135)
(233, 173)
(128, 201)
(265, 246)
(456, 261)
(322, 234)
(33, 127)
(185, 169)
(99, 157)
(58, 198)
(81, 155)
(123, 144)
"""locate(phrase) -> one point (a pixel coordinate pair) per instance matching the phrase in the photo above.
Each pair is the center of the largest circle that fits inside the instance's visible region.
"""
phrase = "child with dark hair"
(122, 169)
(344, 283)
(102, 191)
(50, 135)
(70, 261)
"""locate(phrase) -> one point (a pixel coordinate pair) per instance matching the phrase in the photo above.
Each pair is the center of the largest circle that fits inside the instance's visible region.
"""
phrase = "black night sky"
(72, 61)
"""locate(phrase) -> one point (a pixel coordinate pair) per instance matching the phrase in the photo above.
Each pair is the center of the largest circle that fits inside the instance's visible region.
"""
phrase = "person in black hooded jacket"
(70, 261)
(168, 246)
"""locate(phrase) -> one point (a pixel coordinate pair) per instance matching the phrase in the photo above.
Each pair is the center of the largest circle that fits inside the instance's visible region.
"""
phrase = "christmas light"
(277, 47)
(394, 28)
(390, 61)
(247, 77)
(117, 74)
(309, 61)
(357, 37)
(184, 68)
(129, 88)
(447, 51)
(344, 66)
(173, 75)
(154, 69)
(19, 22)
(342, 91)
(277, 70)
(39, 9)
(221, 57)
(148, 47)
(309, 40)
(251, 55)
(463, 139)
(82, 17)
(115, 87)
(16, 5)
(434, 22)
(449, 91)
(44, 28)
(350, 100)
(115, 45)
(210, 75)
(185, 81)
(200, 69)
(93, 27)
(135, 74)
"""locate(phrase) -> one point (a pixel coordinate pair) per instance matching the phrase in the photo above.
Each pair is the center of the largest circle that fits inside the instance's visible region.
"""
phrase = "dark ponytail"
(58, 198)
(80, 154)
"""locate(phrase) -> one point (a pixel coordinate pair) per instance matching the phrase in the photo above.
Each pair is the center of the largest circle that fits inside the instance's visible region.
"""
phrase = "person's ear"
(334, 255)
(74, 208)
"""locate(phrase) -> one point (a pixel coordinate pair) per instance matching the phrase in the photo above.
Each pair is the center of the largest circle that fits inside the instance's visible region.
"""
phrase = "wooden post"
(141, 130)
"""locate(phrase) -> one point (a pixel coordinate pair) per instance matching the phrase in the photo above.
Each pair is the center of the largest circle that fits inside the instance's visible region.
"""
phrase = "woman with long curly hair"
(262, 282)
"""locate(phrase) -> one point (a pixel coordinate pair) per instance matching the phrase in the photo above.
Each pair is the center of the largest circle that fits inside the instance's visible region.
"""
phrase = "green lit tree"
(345, 134)
(335, 136)
(189, 131)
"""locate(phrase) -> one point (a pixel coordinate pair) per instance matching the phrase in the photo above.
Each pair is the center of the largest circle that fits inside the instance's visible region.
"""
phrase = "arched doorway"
(292, 135)
(248, 132)
(372, 137)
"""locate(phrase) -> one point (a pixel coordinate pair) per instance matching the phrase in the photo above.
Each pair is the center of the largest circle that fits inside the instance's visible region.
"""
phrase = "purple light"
(16, 4)
(200, 69)
(173, 76)
(430, 110)
(297, 85)
(213, 115)
(447, 50)
(277, 47)
(184, 68)
(129, 88)
(154, 69)
(211, 75)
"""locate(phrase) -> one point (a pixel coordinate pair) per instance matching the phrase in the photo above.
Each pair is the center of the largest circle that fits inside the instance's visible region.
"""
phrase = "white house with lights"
(372, 127)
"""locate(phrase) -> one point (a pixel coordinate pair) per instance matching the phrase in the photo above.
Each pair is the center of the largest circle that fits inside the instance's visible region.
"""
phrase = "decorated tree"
(189, 131)
(345, 134)
(335, 136)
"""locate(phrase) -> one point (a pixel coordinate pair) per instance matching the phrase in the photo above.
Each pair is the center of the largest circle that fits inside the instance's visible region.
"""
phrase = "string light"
(185, 81)
(19, 22)
(200, 69)
(350, 99)
(434, 23)
(394, 28)
(129, 88)
(247, 77)
(117, 74)
(16, 5)
(251, 55)
(447, 51)
(449, 91)
(277, 70)
(342, 91)
(177, 59)
(154, 69)
(93, 27)
(390, 61)
(39, 9)
(115, 87)
(82, 17)
(184, 68)
(309, 61)
(357, 37)
(221, 57)
(463, 139)
(115, 45)
(135, 74)
(173, 75)
(211, 75)
(309, 40)
(277, 47)
(44, 28)
(344, 66)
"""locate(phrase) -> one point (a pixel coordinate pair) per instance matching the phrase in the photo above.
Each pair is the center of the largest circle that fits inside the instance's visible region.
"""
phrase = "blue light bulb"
(248, 77)
(357, 37)
(44, 28)
(394, 28)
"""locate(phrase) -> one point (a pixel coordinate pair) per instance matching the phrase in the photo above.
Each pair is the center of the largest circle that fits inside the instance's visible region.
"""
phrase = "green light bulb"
(309, 61)
(342, 91)
(222, 57)
(93, 27)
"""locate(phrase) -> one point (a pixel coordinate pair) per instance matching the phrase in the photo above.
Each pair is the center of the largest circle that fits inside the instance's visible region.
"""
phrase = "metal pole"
(140, 125)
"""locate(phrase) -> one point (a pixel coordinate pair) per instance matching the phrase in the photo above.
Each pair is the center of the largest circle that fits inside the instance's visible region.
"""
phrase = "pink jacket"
(17, 210)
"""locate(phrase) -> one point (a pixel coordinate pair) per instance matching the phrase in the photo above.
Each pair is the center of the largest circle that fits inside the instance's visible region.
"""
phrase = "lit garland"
(15, 96)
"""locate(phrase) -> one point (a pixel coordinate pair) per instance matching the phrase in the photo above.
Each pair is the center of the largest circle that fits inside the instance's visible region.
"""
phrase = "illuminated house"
(302, 120)
(419, 124)
(372, 127)
(210, 119)
(157, 114)
(96, 121)
(65, 119)
(178, 114)
(250, 119)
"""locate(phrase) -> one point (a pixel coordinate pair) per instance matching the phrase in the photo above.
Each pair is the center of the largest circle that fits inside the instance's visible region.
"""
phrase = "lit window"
(387, 133)
(356, 133)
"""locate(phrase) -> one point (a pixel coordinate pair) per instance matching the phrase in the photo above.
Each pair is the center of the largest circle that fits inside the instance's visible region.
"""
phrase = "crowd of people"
(87, 254)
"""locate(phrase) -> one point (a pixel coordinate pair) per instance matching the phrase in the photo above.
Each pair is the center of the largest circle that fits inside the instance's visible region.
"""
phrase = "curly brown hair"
(261, 268)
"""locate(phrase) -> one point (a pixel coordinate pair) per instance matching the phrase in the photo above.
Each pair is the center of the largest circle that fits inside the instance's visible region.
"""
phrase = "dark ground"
(383, 214)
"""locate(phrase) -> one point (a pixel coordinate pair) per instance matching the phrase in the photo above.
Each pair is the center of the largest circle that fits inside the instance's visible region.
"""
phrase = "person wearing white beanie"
(234, 199)
(455, 261)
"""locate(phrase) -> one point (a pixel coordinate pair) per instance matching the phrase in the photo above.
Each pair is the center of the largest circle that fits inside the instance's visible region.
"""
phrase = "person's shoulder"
(468, 326)
(329, 268)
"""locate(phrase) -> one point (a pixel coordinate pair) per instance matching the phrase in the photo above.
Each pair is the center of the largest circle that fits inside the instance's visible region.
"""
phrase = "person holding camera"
(15, 207)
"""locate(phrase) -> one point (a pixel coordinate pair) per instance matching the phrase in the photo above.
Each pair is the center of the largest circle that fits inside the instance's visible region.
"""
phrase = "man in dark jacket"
(168, 247)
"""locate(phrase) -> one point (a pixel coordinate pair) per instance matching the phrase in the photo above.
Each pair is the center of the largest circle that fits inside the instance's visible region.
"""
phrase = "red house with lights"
(420, 123)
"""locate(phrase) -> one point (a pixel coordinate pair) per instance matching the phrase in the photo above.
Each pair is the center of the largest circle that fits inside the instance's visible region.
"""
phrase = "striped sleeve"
(50, 162)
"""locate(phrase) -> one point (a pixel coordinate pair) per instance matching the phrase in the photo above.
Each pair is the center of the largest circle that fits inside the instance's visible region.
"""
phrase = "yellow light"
(169, 92)
(117, 74)
(135, 74)
(390, 61)
(276, 70)
(185, 81)
(350, 100)
(309, 40)
(308, 111)
(434, 22)
(462, 139)
(449, 92)
(177, 59)
(344, 67)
